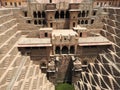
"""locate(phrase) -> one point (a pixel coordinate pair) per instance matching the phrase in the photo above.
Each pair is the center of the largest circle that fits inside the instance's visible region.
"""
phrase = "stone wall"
(62, 15)
(106, 3)
(13, 3)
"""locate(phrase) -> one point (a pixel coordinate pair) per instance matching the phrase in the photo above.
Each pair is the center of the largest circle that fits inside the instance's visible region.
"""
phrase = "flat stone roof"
(34, 42)
(112, 7)
(79, 28)
(3, 8)
(65, 32)
(73, 10)
(57, 1)
(98, 40)
(46, 29)
(51, 10)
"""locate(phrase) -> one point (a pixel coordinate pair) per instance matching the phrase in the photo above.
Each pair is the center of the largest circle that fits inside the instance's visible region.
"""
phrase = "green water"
(64, 86)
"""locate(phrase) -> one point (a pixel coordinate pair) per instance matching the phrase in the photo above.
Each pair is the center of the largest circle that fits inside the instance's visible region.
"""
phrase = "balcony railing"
(74, 6)
(50, 6)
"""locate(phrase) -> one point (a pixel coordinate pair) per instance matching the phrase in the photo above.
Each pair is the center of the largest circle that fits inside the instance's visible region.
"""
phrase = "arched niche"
(35, 22)
(72, 49)
(65, 50)
(43, 14)
(74, 24)
(92, 21)
(67, 14)
(57, 50)
(39, 14)
(39, 21)
(83, 13)
(86, 21)
(82, 22)
(87, 13)
(79, 14)
(56, 15)
(34, 14)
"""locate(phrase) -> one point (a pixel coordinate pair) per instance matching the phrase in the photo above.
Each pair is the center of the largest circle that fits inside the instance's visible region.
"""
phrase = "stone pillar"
(69, 49)
(60, 49)
(54, 49)
(89, 21)
(75, 49)
(59, 14)
(64, 14)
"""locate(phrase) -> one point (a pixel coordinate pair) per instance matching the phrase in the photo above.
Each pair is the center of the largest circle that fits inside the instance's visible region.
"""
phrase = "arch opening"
(86, 21)
(43, 14)
(56, 15)
(39, 21)
(73, 24)
(44, 22)
(6, 3)
(65, 50)
(20, 3)
(72, 50)
(11, 3)
(25, 13)
(34, 14)
(94, 13)
(46, 34)
(92, 21)
(82, 22)
(80, 34)
(35, 22)
(87, 13)
(67, 14)
(79, 15)
(15, 4)
(83, 14)
(39, 14)
(57, 50)
(51, 24)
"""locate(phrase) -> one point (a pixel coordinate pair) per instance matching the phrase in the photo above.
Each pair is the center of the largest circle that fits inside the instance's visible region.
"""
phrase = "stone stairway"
(104, 73)
(17, 72)
(24, 26)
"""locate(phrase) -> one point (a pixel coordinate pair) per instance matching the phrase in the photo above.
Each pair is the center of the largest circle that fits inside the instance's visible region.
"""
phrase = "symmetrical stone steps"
(6, 25)
(6, 15)
(104, 74)
(4, 11)
(17, 72)
(24, 26)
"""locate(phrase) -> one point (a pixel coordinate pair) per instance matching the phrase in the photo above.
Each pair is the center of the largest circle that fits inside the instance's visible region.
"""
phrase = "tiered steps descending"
(17, 72)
